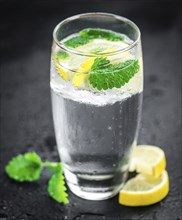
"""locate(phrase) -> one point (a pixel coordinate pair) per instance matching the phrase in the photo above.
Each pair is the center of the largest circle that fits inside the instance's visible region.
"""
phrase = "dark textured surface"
(26, 120)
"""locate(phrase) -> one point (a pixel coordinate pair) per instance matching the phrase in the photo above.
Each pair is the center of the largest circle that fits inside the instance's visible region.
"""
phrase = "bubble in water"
(109, 127)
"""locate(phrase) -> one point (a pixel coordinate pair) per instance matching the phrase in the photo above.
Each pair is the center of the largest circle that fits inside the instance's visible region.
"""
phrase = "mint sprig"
(57, 189)
(87, 35)
(101, 34)
(28, 167)
(104, 75)
(62, 54)
(53, 167)
(99, 63)
(76, 41)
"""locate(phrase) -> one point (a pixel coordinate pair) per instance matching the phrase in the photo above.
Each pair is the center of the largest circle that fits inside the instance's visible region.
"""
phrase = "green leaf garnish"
(53, 166)
(76, 41)
(87, 35)
(100, 63)
(62, 54)
(101, 34)
(104, 75)
(26, 167)
(57, 189)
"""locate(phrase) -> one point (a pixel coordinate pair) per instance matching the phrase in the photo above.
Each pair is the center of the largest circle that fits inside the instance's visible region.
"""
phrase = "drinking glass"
(95, 129)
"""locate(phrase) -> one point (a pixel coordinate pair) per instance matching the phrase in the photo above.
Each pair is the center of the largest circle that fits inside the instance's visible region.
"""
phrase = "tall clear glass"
(96, 111)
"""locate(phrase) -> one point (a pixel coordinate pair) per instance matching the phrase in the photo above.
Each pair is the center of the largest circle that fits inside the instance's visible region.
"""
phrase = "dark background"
(26, 120)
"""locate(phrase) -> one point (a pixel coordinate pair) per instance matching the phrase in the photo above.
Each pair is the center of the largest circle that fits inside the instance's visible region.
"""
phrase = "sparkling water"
(95, 130)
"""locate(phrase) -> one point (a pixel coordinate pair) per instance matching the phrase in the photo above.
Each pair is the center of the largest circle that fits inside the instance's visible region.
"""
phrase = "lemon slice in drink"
(144, 190)
(61, 72)
(59, 69)
(80, 77)
(148, 160)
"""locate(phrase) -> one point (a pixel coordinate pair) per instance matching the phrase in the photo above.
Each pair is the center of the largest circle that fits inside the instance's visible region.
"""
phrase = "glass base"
(91, 187)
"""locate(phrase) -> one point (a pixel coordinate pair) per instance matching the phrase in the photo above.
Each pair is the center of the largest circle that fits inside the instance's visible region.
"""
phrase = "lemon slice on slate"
(148, 159)
(144, 190)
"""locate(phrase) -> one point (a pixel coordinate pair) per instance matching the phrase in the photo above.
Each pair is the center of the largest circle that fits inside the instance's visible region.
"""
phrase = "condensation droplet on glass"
(109, 127)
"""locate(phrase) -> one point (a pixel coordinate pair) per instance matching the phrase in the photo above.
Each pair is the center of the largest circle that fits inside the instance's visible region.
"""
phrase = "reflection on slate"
(26, 119)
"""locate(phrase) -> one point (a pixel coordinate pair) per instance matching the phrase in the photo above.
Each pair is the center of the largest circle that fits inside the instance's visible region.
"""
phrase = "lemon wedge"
(86, 66)
(60, 70)
(81, 76)
(144, 190)
(148, 159)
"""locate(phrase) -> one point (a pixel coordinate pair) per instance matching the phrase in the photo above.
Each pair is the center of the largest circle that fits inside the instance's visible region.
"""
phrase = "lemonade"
(96, 86)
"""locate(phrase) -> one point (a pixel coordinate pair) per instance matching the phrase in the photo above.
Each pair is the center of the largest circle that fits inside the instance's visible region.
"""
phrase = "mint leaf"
(62, 54)
(99, 63)
(86, 35)
(26, 167)
(56, 185)
(101, 34)
(53, 166)
(76, 41)
(104, 75)
(57, 189)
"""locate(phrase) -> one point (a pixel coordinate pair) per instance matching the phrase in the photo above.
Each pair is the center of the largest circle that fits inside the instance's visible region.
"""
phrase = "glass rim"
(81, 53)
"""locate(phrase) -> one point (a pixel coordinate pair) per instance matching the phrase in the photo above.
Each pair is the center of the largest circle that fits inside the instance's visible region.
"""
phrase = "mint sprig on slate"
(57, 189)
(53, 167)
(28, 167)
(104, 75)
